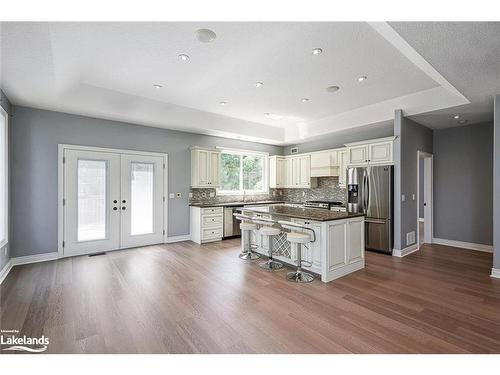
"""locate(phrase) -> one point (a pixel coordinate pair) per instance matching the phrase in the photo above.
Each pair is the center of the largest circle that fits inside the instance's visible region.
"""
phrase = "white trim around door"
(61, 181)
(428, 218)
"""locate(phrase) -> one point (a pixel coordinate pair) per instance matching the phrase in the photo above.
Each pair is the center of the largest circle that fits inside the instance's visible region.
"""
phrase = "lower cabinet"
(206, 224)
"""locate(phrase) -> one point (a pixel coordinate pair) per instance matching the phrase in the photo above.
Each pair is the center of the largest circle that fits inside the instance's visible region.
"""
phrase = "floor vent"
(97, 254)
(410, 238)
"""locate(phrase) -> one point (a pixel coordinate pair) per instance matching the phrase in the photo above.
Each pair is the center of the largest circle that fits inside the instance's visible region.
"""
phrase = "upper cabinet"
(290, 171)
(205, 167)
(371, 152)
(343, 162)
(324, 163)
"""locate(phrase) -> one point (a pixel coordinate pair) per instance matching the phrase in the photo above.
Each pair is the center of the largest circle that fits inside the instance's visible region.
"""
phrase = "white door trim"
(60, 185)
(429, 191)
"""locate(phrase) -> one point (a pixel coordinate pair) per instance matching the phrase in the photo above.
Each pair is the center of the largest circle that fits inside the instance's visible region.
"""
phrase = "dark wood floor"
(186, 298)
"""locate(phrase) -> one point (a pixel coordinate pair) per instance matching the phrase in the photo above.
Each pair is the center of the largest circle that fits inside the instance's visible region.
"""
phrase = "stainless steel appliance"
(370, 191)
(329, 205)
(231, 224)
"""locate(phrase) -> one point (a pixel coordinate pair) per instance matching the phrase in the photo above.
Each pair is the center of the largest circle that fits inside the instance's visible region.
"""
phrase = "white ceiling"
(108, 70)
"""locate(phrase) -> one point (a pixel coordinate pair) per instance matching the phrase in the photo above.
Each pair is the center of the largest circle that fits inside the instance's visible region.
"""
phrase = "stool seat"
(248, 226)
(296, 237)
(269, 231)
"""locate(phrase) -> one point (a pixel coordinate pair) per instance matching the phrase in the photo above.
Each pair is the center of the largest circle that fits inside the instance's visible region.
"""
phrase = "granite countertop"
(234, 204)
(313, 214)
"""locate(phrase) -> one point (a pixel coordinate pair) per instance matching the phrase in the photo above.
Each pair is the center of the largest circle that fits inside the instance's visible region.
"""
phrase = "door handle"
(375, 221)
(124, 208)
(115, 208)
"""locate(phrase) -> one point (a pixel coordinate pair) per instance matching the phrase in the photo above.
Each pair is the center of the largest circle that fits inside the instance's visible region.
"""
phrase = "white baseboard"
(463, 245)
(495, 272)
(34, 258)
(421, 219)
(5, 271)
(184, 237)
(406, 251)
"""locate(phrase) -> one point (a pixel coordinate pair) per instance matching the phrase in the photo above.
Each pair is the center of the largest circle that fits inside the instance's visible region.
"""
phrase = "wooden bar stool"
(299, 238)
(246, 227)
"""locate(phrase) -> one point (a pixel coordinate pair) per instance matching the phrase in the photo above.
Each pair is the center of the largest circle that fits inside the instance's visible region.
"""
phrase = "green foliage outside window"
(242, 172)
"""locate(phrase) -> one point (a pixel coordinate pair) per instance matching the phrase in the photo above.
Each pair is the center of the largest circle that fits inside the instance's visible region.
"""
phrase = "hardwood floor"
(187, 298)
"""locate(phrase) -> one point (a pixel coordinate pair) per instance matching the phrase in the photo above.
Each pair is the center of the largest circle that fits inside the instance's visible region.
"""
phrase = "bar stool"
(299, 239)
(246, 227)
(269, 231)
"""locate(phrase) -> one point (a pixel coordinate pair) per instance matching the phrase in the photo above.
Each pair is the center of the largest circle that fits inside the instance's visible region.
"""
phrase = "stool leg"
(247, 253)
(271, 264)
(298, 276)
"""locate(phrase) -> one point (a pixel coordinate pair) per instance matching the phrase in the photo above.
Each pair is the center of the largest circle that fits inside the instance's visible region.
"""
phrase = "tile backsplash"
(328, 189)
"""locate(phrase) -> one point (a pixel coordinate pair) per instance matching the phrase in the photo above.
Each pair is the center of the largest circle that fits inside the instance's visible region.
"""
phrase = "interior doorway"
(111, 199)
(424, 197)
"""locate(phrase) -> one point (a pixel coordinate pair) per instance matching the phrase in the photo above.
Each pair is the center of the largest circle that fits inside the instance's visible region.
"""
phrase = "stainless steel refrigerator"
(370, 191)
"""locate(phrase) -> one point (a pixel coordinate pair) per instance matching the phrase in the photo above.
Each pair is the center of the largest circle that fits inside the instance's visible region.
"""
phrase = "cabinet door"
(342, 157)
(380, 152)
(358, 154)
(304, 168)
(203, 167)
(214, 169)
(281, 173)
(294, 172)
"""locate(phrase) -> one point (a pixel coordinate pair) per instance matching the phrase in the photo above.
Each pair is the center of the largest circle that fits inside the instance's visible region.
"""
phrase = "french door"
(111, 201)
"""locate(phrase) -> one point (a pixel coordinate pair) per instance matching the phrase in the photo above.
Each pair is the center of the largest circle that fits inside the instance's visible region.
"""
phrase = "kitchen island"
(339, 246)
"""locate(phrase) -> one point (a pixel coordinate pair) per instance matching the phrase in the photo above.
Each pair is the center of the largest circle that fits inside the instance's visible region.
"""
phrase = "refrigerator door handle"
(374, 221)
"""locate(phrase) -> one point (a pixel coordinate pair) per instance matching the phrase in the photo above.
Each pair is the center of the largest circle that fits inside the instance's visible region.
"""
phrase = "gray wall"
(35, 135)
(421, 189)
(4, 251)
(463, 183)
(496, 186)
(412, 137)
(338, 139)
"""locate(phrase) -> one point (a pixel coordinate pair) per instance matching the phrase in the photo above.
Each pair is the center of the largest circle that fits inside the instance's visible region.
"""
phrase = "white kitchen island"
(339, 247)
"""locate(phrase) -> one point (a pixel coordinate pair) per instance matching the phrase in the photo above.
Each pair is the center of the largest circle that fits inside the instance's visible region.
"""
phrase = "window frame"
(265, 172)
(5, 197)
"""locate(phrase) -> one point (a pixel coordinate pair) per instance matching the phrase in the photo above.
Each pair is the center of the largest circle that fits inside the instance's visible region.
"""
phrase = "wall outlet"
(274, 193)
(171, 195)
(303, 193)
(190, 195)
(203, 195)
(413, 196)
(178, 195)
(212, 195)
(403, 198)
(281, 193)
(410, 238)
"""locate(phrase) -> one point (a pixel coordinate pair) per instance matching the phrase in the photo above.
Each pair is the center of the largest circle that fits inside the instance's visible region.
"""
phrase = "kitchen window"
(243, 172)
(3, 178)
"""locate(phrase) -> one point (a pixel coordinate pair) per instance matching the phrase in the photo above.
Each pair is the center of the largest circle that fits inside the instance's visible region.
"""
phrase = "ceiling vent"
(294, 150)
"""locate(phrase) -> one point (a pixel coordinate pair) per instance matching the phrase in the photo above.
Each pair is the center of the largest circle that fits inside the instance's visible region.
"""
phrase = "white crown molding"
(45, 257)
(185, 237)
(406, 251)
(463, 245)
(5, 271)
(495, 272)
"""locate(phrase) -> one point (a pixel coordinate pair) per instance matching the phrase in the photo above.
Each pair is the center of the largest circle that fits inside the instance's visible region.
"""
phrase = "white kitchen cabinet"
(371, 152)
(342, 158)
(311, 252)
(206, 224)
(300, 171)
(277, 172)
(205, 167)
(324, 163)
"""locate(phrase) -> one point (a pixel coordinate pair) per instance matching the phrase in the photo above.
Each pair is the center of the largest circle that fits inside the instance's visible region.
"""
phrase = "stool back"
(294, 226)
(264, 221)
(242, 217)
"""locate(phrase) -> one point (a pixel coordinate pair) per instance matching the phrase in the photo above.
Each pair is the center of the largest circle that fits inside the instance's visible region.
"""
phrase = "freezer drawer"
(378, 235)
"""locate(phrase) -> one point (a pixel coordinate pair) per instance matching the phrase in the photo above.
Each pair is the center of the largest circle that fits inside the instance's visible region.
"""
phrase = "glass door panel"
(141, 198)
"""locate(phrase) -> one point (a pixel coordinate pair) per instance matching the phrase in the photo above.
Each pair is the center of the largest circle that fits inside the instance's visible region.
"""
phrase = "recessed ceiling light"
(317, 51)
(456, 117)
(222, 103)
(305, 100)
(332, 88)
(272, 116)
(259, 84)
(156, 86)
(183, 57)
(462, 122)
(362, 78)
(205, 35)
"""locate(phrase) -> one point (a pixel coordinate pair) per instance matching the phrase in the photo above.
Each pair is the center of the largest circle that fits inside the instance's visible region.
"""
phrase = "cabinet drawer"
(208, 221)
(211, 211)
(211, 233)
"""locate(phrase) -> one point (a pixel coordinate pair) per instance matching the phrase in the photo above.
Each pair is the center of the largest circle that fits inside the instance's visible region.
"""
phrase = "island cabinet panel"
(337, 241)
(356, 248)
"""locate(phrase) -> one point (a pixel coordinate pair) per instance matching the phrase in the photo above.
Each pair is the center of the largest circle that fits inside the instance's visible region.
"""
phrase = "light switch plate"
(190, 195)
(171, 195)
(212, 195)
(403, 197)
(413, 196)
